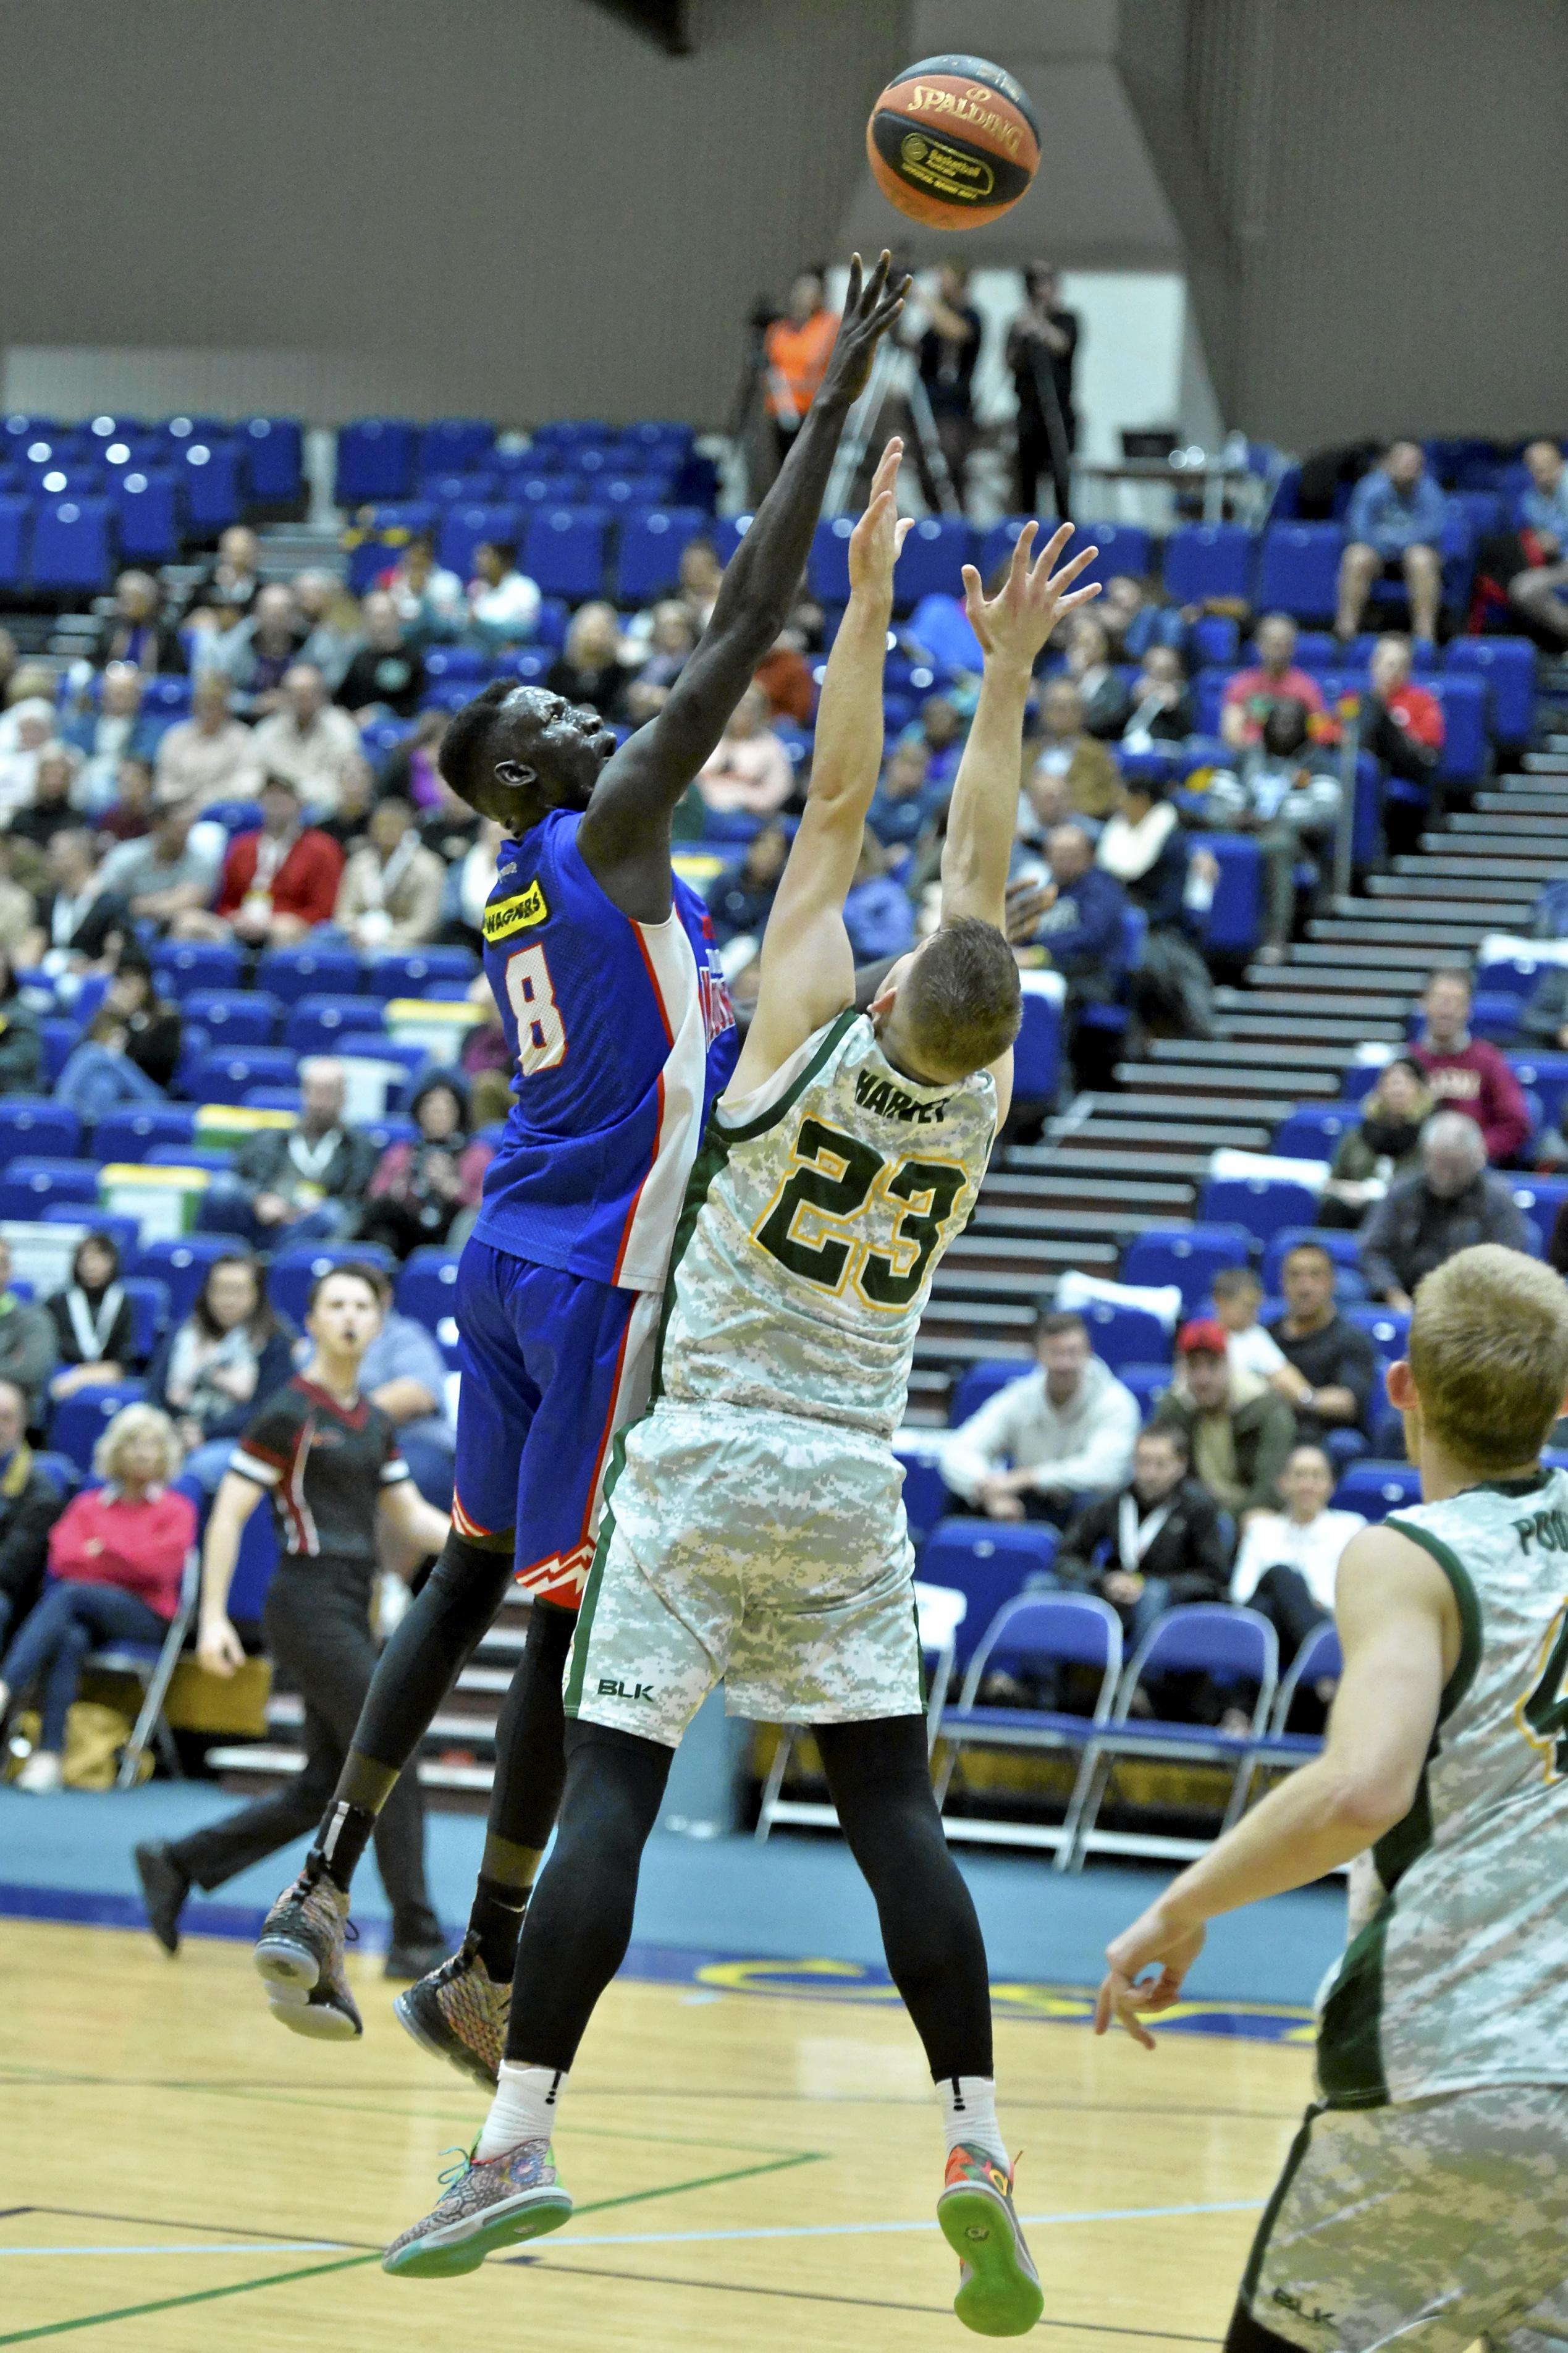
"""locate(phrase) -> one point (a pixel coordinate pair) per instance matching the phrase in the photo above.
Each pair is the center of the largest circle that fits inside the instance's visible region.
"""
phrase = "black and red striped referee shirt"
(324, 1465)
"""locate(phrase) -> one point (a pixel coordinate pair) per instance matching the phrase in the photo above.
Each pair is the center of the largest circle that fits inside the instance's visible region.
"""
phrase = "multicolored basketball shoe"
(999, 2288)
(489, 2203)
(299, 1955)
(460, 2013)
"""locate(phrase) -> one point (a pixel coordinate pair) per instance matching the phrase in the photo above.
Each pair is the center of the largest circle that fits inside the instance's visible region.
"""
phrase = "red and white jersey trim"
(643, 1259)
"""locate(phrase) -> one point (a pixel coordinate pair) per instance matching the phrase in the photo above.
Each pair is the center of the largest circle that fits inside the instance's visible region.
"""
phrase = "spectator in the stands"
(1543, 1017)
(386, 676)
(1252, 694)
(133, 1044)
(503, 602)
(702, 575)
(1051, 1440)
(330, 619)
(49, 811)
(1042, 352)
(305, 1183)
(137, 631)
(946, 352)
(1282, 794)
(740, 898)
(419, 1191)
(231, 583)
(214, 1368)
(165, 875)
(257, 656)
(412, 772)
(877, 913)
(117, 1559)
(1068, 750)
(1402, 726)
(1382, 1146)
(1103, 696)
(8, 663)
(76, 917)
(1330, 1368)
(429, 598)
(1133, 618)
(672, 641)
(33, 732)
(1082, 931)
(17, 912)
(307, 740)
(1159, 707)
(904, 801)
(210, 756)
(748, 770)
(1288, 1559)
(487, 1062)
(389, 896)
(278, 883)
(796, 349)
(589, 669)
(27, 1347)
(1157, 1545)
(784, 676)
(1237, 1295)
(940, 731)
(404, 1372)
(1538, 589)
(1394, 527)
(1466, 1074)
(1423, 1221)
(21, 1044)
(94, 1320)
(130, 814)
(30, 1504)
(469, 881)
(349, 824)
(117, 726)
(1143, 846)
(1239, 1430)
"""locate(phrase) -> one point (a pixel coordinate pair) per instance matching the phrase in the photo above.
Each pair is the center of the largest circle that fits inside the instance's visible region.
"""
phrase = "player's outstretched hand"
(1153, 1942)
(870, 306)
(880, 533)
(1016, 621)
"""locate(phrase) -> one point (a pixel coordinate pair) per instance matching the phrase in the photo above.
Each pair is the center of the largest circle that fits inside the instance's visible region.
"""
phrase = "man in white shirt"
(1288, 1559)
(503, 602)
(309, 739)
(1066, 1430)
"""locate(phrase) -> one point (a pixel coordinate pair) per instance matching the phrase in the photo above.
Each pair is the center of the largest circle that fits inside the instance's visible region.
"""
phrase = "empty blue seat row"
(290, 974)
(383, 456)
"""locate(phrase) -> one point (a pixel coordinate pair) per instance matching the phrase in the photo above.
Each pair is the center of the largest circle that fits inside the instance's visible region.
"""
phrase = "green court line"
(707, 2181)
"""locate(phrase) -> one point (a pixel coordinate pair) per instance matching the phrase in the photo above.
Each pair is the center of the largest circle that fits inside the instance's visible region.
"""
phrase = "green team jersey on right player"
(1457, 1977)
(817, 1213)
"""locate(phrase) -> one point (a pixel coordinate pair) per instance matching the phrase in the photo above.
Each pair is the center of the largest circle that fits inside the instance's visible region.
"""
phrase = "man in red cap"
(1239, 1431)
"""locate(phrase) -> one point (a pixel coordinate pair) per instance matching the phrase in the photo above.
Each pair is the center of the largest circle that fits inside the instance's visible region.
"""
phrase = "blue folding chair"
(292, 1272)
(148, 1300)
(1374, 1489)
(77, 1423)
(73, 545)
(565, 553)
(29, 1185)
(1388, 1329)
(317, 1025)
(455, 445)
(1189, 1256)
(181, 966)
(1262, 1204)
(215, 494)
(1206, 560)
(377, 460)
(274, 459)
(1233, 925)
(228, 1078)
(466, 526)
(290, 974)
(419, 972)
(932, 560)
(828, 565)
(651, 544)
(32, 1126)
(147, 510)
(456, 665)
(1037, 1050)
(1278, 1750)
(1314, 1130)
(124, 1232)
(130, 1135)
(15, 540)
(1030, 1632)
(1125, 1335)
(988, 1561)
(1298, 569)
(181, 1265)
(233, 1017)
(428, 1286)
(1123, 547)
(977, 1384)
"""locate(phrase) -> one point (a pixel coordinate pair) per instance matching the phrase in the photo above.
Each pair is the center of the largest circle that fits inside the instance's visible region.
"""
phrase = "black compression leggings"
(530, 1761)
(441, 1628)
(579, 1924)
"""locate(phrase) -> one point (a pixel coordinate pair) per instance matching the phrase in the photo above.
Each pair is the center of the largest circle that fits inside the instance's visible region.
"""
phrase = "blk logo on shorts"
(609, 1688)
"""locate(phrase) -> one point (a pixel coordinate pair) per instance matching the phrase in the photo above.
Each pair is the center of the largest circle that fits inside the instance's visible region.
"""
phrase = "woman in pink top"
(748, 769)
(117, 1557)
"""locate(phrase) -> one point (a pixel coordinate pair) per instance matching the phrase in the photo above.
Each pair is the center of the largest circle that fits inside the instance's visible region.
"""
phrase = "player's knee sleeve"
(531, 1765)
(615, 1787)
(443, 1625)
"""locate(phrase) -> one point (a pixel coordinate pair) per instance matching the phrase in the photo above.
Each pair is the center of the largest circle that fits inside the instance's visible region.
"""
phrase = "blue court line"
(866, 2230)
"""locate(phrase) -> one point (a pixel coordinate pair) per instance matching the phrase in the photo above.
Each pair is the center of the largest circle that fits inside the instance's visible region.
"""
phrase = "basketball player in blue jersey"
(602, 967)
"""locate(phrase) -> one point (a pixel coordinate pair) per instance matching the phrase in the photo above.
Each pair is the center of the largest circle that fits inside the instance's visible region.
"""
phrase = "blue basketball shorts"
(552, 1365)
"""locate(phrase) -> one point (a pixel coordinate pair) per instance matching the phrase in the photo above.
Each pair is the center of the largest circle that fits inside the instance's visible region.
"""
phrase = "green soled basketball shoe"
(299, 1957)
(999, 2288)
(459, 2013)
(489, 2203)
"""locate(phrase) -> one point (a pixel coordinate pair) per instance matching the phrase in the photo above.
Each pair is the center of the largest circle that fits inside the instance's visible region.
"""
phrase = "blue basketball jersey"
(624, 1036)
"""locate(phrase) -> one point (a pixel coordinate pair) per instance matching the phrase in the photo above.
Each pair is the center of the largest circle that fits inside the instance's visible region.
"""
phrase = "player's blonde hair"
(1489, 1351)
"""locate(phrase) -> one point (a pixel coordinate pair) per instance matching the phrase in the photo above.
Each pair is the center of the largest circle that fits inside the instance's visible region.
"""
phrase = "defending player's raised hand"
(1152, 1942)
(870, 306)
(1015, 623)
(877, 539)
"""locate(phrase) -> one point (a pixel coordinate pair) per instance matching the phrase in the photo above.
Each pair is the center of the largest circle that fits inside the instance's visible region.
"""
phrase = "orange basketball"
(953, 141)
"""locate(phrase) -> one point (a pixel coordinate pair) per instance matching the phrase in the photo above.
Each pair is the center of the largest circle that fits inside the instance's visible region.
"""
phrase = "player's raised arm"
(1012, 627)
(624, 835)
(808, 964)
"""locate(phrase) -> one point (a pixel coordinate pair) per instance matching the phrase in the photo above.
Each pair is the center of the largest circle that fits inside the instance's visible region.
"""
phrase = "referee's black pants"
(318, 1632)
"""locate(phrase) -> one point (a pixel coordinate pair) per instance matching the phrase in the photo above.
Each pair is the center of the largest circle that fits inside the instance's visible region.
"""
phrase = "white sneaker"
(41, 1773)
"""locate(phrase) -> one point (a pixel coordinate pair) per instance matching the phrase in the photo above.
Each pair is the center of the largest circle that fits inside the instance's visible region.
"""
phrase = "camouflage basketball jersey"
(1458, 1975)
(815, 1216)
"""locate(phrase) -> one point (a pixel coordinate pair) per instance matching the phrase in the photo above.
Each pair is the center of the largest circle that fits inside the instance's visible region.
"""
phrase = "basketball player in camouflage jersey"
(1425, 2202)
(753, 1528)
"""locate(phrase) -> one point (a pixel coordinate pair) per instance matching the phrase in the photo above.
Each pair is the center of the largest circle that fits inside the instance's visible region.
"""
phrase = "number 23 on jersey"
(834, 1181)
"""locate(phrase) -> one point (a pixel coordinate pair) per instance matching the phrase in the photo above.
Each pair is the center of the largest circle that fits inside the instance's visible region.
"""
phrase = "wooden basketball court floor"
(751, 2168)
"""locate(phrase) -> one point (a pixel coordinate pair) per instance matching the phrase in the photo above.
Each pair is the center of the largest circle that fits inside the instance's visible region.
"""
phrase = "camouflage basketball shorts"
(761, 1548)
(1425, 2224)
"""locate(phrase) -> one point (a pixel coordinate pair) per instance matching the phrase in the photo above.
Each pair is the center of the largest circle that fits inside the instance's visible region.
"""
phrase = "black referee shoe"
(164, 1888)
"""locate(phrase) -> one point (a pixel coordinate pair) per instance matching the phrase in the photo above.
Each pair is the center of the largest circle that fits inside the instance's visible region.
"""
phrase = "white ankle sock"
(969, 2115)
(523, 2108)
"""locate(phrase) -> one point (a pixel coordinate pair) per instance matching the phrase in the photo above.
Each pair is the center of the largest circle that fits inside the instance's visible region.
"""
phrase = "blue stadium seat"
(233, 1017)
(129, 1134)
(727, 533)
(978, 1383)
(170, 699)
(124, 1232)
(31, 1124)
(456, 665)
(78, 1422)
(1463, 695)
(1148, 1383)
(149, 1301)
(828, 565)
(1209, 559)
(215, 494)
(464, 527)
(1235, 922)
(73, 544)
(1037, 1050)
(319, 1023)
(188, 1156)
(179, 966)
(565, 551)
(292, 1272)
(293, 973)
(15, 533)
(181, 1263)
(1189, 1256)
(1123, 547)
(30, 1183)
(455, 445)
(1297, 570)
(647, 558)
(1125, 1336)
(1375, 1489)
(996, 544)
(1262, 1204)
(147, 512)
(1546, 1075)
(413, 972)
(1313, 1131)
(932, 560)
(59, 1039)
(227, 1078)
(274, 459)
(987, 1560)
(1388, 1329)
(428, 1286)
(376, 461)
(478, 488)
(1540, 1198)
